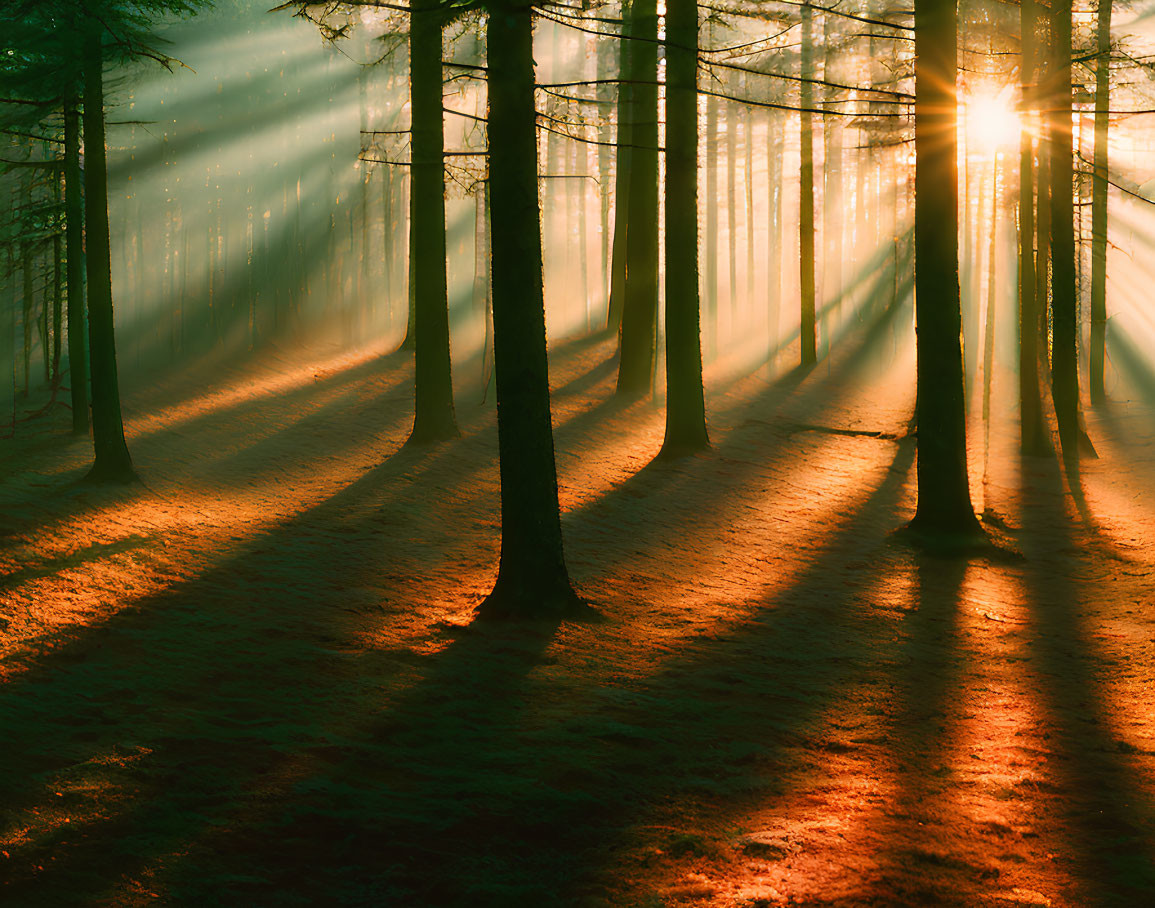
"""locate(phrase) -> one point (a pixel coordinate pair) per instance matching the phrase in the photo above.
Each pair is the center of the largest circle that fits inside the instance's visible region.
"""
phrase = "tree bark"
(112, 462)
(640, 312)
(685, 399)
(434, 419)
(711, 263)
(1064, 323)
(1032, 435)
(1097, 353)
(532, 579)
(806, 191)
(944, 504)
(623, 166)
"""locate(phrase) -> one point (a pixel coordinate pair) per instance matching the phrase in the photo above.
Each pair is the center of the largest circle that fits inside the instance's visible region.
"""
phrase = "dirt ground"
(254, 679)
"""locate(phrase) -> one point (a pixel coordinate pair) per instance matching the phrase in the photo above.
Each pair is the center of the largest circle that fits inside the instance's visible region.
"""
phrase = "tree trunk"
(1032, 435)
(732, 121)
(774, 188)
(711, 263)
(832, 202)
(623, 167)
(685, 400)
(27, 308)
(532, 580)
(806, 190)
(1064, 368)
(640, 312)
(1099, 203)
(113, 462)
(74, 253)
(434, 419)
(944, 505)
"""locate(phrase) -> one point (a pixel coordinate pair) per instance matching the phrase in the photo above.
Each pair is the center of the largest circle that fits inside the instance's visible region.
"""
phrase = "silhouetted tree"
(1032, 434)
(1064, 366)
(806, 190)
(944, 505)
(113, 461)
(1097, 352)
(532, 579)
(640, 310)
(685, 403)
(434, 418)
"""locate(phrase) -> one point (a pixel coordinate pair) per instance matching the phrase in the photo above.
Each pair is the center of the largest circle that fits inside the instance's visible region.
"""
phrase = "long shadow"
(219, 687)
(65, 498)
(519, 784)
(49, 567)
(1109, 820)
(664, 482)
(921, 863)
(210, 682)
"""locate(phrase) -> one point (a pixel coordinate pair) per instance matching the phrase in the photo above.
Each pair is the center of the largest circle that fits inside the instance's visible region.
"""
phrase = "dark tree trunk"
(944, 505)
(113, 462)
(774, 190)
(806, 192)
(532, 579)
(434, 419)
(1097, 352)
(1064, 368)
(640, 313)
(732, 120)
(685, 401)
(832, 202)
(623, 164)
(1032, 436)
(27, 308)
(711, 263)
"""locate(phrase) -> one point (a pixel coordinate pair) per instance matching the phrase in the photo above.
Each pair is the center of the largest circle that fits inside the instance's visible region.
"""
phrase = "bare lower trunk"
(112, 458)
(532, 580)
(944, 505)
(806, 190)
(1097, 353)
(685, 403)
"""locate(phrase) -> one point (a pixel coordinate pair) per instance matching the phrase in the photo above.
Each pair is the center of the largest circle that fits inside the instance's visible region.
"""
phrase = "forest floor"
(254, 679)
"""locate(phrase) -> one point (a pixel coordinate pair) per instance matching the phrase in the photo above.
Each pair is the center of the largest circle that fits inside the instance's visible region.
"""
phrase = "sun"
(992, 122)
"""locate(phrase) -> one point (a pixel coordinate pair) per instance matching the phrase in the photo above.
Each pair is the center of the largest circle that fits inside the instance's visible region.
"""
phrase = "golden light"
(992, 121)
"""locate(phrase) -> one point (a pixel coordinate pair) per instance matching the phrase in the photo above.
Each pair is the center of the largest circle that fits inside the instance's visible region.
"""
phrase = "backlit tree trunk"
(640, 312)
(806, 190)
(685, 404)
(434, 419)
(1064, 369)
(1032, 436)
(1097, 352)
(944, 505)
(622, 168)
(112, 458)
(532, 580)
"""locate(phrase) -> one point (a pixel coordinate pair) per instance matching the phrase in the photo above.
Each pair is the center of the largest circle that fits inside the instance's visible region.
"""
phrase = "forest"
(595, 453)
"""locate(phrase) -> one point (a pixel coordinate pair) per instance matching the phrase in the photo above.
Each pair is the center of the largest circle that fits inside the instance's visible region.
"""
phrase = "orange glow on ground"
(782, 704)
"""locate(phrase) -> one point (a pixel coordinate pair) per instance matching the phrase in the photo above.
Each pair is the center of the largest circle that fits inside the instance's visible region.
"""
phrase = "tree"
(806, 189)
(434, 419)
(1097, 352)
(1064, 367)
(532, 579)
(113, 461)
(427, 327)
(40, 80)
(640, 310)
(624, 142)
(944, 505)
(74, 243)
(1032, 435)
(685, 403)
